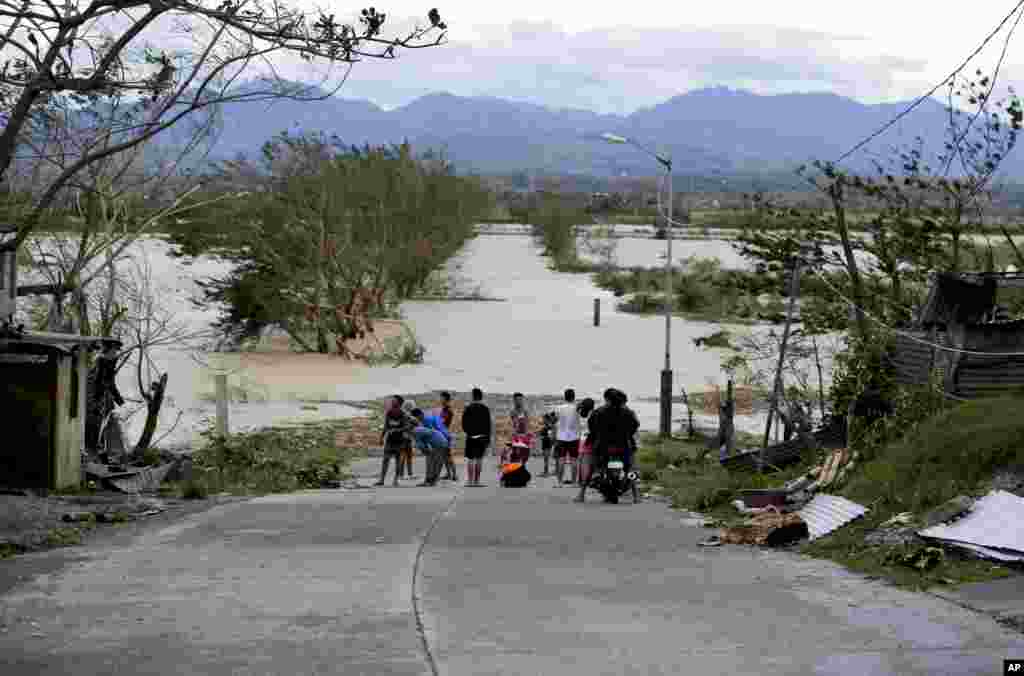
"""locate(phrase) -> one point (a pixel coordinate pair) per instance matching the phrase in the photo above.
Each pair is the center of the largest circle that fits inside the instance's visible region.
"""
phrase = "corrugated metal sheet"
(912, 360)
(779, 455)
(148, 479)
(826, 513)
(985, 530)
(989, 376)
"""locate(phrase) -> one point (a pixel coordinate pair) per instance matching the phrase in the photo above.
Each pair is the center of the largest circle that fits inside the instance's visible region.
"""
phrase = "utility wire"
(934, 89)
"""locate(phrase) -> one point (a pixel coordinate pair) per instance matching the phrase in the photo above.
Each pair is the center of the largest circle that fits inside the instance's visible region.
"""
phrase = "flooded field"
(539, 340)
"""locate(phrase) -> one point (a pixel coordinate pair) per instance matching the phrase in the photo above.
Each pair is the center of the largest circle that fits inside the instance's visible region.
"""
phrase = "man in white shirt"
(567, 438)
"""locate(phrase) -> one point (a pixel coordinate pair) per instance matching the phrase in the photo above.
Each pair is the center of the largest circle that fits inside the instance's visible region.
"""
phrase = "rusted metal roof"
(826, 513)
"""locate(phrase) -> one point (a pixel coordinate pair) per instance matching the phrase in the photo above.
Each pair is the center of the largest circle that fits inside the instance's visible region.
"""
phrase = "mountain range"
(705, 131)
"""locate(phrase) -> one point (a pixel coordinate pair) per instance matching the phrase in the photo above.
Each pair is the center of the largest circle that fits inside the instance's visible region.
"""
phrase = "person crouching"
(434, 444)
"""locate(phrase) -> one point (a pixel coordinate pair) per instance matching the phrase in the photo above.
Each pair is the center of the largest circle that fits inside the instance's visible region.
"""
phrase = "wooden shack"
(961, 313)
(43, 400)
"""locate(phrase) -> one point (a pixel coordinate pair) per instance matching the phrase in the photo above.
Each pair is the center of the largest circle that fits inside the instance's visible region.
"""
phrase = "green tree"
(329, 236)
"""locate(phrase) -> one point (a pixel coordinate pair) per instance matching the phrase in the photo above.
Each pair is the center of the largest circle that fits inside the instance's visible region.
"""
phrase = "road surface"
(468, 581)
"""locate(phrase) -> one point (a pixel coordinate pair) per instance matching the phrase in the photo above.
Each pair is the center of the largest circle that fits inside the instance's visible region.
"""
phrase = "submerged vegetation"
(329, 238)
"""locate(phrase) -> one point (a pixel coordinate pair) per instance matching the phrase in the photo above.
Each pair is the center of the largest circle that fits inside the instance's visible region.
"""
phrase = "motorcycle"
(612, 481)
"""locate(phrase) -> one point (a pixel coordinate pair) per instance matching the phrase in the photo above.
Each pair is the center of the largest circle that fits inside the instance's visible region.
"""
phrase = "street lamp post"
(665, 399)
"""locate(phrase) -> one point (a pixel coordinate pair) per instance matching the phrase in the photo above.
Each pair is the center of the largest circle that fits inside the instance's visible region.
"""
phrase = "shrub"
(272, 460)
(194, 489)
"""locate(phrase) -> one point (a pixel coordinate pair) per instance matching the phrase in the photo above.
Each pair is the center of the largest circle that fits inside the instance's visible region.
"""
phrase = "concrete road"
(468, 581)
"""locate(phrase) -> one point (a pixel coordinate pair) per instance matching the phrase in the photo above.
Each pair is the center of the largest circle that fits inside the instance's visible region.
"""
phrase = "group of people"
(581, 436)
(406, 426)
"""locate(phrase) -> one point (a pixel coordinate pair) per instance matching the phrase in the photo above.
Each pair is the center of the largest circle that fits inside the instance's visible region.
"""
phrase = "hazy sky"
(603, 57)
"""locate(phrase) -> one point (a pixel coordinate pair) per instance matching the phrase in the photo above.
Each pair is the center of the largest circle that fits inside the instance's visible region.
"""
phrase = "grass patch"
(271, 460)
(9, 549)
(847, 547)
(954, 453)
(694, 480)
(63, 537)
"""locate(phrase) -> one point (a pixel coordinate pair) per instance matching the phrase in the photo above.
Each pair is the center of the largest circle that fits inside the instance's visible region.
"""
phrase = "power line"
(905, 334)
(934, 89)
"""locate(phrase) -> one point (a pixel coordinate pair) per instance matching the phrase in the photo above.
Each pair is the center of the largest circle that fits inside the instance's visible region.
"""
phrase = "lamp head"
(614, 138)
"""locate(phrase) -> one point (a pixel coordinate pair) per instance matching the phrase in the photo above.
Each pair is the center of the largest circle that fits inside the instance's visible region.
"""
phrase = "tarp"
(992, 528)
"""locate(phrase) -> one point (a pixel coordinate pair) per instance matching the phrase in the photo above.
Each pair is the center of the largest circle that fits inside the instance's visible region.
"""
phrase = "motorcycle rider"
(612, 428)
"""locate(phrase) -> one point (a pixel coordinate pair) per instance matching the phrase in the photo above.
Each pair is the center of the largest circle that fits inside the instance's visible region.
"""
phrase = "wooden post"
(597, 312)
(222, 405)
(794, 290)
(730, 428)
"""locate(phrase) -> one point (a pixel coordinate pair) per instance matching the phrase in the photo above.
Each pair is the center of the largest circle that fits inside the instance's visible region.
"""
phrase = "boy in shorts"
(447, 415)
(393, 438)
(567, 444)
(476, 423)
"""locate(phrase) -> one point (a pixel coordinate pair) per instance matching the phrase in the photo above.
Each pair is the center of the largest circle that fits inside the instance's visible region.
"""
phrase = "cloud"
(620, 70)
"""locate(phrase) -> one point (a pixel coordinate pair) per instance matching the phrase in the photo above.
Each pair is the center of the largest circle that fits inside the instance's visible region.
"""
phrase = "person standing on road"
(567, 438)
(407, 454)
(586, 410)
(447, 416)
(547, 438)
(476, 423)
(393, 438)
(520, 416)
(434, 445)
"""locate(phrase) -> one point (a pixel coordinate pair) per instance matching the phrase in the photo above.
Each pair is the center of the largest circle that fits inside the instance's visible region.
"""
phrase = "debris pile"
(806, 512)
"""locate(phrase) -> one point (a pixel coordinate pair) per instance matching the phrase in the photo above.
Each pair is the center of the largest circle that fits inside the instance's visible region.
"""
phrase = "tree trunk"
(821, 379)
(154, 401)
(321, 338)
(835, 192)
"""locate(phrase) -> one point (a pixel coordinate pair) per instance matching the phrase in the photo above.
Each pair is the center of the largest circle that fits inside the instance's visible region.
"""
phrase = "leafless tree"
(170, 59)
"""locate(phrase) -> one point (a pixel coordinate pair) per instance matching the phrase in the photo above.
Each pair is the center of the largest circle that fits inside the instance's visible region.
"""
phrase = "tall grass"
(951, 454)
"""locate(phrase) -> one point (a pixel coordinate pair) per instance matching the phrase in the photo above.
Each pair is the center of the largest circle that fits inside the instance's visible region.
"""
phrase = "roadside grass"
(689, 473)
(907, 566)
(955, 453)
(272, 460)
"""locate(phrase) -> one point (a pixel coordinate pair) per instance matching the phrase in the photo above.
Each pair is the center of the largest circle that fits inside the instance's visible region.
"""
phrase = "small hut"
(961, 313)
(44, 405)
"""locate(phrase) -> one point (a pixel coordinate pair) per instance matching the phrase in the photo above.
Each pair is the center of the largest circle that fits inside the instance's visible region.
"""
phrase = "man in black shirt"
(476, 423)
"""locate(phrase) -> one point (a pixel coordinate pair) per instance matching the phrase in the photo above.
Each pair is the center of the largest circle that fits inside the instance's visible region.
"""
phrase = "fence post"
(730, 426)
(597, 312)
(221, 381)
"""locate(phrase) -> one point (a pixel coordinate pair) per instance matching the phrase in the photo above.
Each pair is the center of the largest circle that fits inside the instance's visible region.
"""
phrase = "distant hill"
(706, 130)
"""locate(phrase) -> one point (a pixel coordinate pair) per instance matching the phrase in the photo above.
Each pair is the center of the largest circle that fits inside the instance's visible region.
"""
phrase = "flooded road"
(539, 340)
